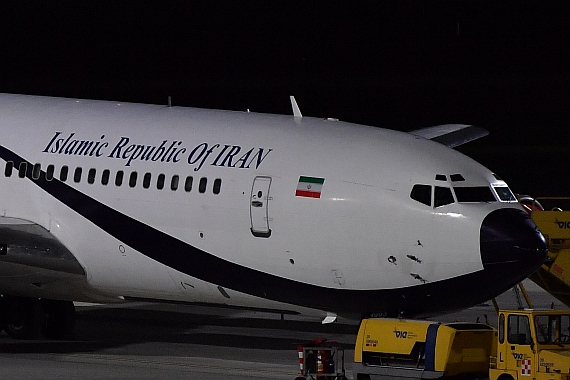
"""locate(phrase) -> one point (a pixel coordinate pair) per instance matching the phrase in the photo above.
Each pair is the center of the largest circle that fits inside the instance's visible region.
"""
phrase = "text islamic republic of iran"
(170, 151)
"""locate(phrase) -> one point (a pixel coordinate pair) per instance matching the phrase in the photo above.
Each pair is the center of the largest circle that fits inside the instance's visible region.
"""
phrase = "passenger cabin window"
(22, 169)
(36, 171)
(442, 196)
(133, 179)
(49, 172)
(217, 185)
(77, 175)
(188, 183)
(63, 172)
(160, 182)
(91, 176)
(474, 194)
(422, 194)
(146, 180)
(119, 178)
(174, 183)
(202, 185)
(8, 169)
(105, 177)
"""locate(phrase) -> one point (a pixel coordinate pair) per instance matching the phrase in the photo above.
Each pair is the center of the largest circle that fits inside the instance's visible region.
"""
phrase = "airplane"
(112, 202)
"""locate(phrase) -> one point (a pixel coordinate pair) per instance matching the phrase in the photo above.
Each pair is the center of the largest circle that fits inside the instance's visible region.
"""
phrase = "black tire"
(24, 318)
(59, 319)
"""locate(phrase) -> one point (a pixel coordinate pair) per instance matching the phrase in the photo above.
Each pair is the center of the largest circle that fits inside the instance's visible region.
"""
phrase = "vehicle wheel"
(59, 319)
(24, 318)
(362, 376)
(505, 377)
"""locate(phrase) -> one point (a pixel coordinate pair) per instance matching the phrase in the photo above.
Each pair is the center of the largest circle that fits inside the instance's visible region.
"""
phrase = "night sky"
(503, 66)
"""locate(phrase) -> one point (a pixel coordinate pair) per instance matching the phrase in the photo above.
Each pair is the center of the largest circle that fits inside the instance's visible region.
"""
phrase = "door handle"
(256, 204)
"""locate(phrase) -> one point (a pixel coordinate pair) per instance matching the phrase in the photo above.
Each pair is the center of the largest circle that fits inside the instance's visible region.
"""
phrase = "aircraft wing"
(34, 263)
(451, 135)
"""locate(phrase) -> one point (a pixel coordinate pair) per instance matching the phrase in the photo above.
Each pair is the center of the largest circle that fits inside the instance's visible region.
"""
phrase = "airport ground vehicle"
(532, 344)
(554, 275)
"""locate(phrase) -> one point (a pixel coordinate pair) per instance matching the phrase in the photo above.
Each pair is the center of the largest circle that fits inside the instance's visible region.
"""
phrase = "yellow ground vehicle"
(529, 344)
(554, 275)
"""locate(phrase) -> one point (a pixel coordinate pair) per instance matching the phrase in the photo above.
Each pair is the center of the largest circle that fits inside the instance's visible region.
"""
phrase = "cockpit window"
(422, 194)
(456, 178)
(505, 194)
(474, 194)
(442, 196)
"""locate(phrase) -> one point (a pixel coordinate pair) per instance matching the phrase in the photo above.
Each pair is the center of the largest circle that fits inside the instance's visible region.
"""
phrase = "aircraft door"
(258, 207)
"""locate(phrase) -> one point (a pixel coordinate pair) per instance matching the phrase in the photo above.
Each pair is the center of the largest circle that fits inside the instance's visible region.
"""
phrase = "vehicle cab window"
(519, 330)
(552, 329)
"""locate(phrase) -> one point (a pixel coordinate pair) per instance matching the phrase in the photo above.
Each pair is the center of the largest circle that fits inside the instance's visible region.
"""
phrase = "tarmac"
(161, 341)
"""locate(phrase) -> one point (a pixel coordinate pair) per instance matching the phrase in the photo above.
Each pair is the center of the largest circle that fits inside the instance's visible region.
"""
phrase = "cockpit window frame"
(474, 194)
(501, 195)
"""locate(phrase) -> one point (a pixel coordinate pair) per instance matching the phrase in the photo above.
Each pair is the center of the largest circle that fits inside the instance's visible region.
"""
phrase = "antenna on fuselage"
(296, 110)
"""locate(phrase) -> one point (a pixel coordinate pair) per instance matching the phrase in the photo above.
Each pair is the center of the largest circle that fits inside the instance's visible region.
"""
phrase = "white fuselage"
(250, 239)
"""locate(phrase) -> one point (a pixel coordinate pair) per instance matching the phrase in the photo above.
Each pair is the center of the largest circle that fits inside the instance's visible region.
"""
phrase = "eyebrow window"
(146, 180)
(160, 181)
(77, 174)
(422, 194)
(440, 177)
(217, 185)
(456, 178)
(8, 169)
(105, 177)
(119, 178)
(91, 176)
(64, 171)
(49, 172)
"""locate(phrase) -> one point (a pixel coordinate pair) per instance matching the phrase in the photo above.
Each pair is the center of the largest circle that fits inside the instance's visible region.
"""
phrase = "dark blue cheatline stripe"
(430, 298)
(431, 338)
(180, 255)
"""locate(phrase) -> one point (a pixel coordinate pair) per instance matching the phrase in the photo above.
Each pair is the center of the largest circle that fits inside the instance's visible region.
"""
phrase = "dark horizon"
(503, 66)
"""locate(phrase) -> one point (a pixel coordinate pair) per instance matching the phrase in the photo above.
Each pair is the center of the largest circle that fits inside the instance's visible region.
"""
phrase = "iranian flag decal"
(309, 187)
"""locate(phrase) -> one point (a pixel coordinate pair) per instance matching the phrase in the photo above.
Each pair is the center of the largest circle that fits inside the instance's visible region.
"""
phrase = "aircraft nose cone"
(511, 244)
